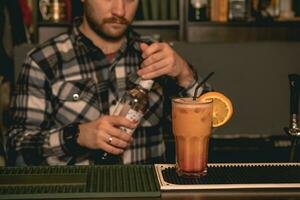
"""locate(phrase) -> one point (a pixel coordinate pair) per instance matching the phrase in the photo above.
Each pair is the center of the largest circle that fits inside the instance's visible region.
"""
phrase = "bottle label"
(146, 84)
(133, 116)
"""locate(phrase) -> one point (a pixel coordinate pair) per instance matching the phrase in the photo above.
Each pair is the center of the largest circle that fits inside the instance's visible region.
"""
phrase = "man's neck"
(106, 46)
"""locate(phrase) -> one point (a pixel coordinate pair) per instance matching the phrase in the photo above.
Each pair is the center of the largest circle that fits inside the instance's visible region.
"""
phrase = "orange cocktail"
(192, 122)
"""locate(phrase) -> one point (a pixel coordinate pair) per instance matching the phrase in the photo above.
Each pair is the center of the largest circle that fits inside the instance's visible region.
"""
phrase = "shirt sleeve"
(189, 91)
(173, 89)
(32, 136)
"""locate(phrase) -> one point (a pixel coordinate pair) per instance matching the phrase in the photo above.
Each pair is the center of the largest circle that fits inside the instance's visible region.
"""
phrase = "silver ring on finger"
(110, 140)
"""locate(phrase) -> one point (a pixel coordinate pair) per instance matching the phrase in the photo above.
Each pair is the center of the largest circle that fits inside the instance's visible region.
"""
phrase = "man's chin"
(110, 32)
(115, 29)
(115, 33)
(117, 25)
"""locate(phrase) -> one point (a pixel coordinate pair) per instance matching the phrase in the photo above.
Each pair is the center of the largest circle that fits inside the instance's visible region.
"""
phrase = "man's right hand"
(105, 134)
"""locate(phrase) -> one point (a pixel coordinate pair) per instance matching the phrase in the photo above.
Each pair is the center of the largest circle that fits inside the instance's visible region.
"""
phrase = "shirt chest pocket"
(76, 101)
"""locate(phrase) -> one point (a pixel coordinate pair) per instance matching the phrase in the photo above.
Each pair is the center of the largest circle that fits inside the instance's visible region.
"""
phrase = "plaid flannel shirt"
(44, 103)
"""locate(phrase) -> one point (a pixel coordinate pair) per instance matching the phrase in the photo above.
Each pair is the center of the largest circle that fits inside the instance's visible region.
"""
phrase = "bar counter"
(282, 194)
(214, 195)
(219, 195)
(160, 181)
(228, 195)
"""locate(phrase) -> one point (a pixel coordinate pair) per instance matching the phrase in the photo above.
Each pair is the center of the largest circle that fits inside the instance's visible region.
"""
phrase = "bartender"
(69, 85)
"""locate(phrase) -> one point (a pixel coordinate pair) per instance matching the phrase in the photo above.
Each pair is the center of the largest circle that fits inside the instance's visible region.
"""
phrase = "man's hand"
(160, 59)
(105, 134)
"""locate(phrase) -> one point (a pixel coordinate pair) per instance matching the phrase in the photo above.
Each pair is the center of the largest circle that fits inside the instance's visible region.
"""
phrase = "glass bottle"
(133, 106)
(198, 10)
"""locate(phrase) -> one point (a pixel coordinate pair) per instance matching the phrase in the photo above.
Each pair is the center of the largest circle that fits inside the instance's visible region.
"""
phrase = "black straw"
(204, 81)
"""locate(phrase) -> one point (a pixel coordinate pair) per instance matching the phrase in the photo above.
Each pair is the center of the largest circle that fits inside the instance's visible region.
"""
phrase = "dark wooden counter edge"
(286, 194)
(269, 194)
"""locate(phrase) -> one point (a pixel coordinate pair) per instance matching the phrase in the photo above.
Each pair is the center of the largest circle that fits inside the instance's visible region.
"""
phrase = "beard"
(98, 26)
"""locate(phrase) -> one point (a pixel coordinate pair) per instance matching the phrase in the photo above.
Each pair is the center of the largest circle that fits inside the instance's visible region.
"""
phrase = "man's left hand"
(160, 59)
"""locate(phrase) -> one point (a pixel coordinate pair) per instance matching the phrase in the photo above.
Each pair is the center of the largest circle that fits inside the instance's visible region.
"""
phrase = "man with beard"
(69, 87)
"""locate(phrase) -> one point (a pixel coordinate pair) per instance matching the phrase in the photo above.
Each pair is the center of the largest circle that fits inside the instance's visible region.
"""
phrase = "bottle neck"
(146, 84)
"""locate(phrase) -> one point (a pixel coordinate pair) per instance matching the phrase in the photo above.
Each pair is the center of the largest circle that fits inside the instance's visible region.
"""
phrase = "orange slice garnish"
(222, 107)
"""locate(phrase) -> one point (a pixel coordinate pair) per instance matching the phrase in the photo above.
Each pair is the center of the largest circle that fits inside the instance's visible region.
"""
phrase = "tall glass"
(192, 122)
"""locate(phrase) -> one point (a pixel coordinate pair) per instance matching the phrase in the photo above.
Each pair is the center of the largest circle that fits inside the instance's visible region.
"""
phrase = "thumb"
(144, 46)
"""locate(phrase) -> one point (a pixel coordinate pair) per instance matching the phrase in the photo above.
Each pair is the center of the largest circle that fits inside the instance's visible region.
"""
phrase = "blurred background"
(252, 45)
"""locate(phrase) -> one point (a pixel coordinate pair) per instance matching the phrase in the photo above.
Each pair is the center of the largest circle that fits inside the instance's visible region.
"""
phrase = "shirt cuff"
(53, 144)
(62, 142)
(191, 90)
(70, 135)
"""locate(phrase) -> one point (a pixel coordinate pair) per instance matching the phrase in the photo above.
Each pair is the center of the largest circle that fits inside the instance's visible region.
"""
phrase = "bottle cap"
(146, 84)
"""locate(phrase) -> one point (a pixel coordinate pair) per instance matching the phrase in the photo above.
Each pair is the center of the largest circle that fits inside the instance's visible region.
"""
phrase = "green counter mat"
(78, 182)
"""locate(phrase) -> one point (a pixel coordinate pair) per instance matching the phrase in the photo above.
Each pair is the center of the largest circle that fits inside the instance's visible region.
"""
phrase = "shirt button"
(75, 97)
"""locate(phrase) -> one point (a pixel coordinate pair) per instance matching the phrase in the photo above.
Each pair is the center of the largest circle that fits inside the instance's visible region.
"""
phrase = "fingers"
(96, 134)
(115, 141)
(111, 149)
(113, 127)
(119, 121)
(119, 134)
(118, 143)
(159, 59)
(144, 46)
(144, 72)
(153, 59)
(111, 144)
(153, 48)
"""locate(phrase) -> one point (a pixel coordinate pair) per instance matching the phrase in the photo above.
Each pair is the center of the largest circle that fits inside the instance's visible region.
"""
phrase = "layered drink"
(192, 122)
